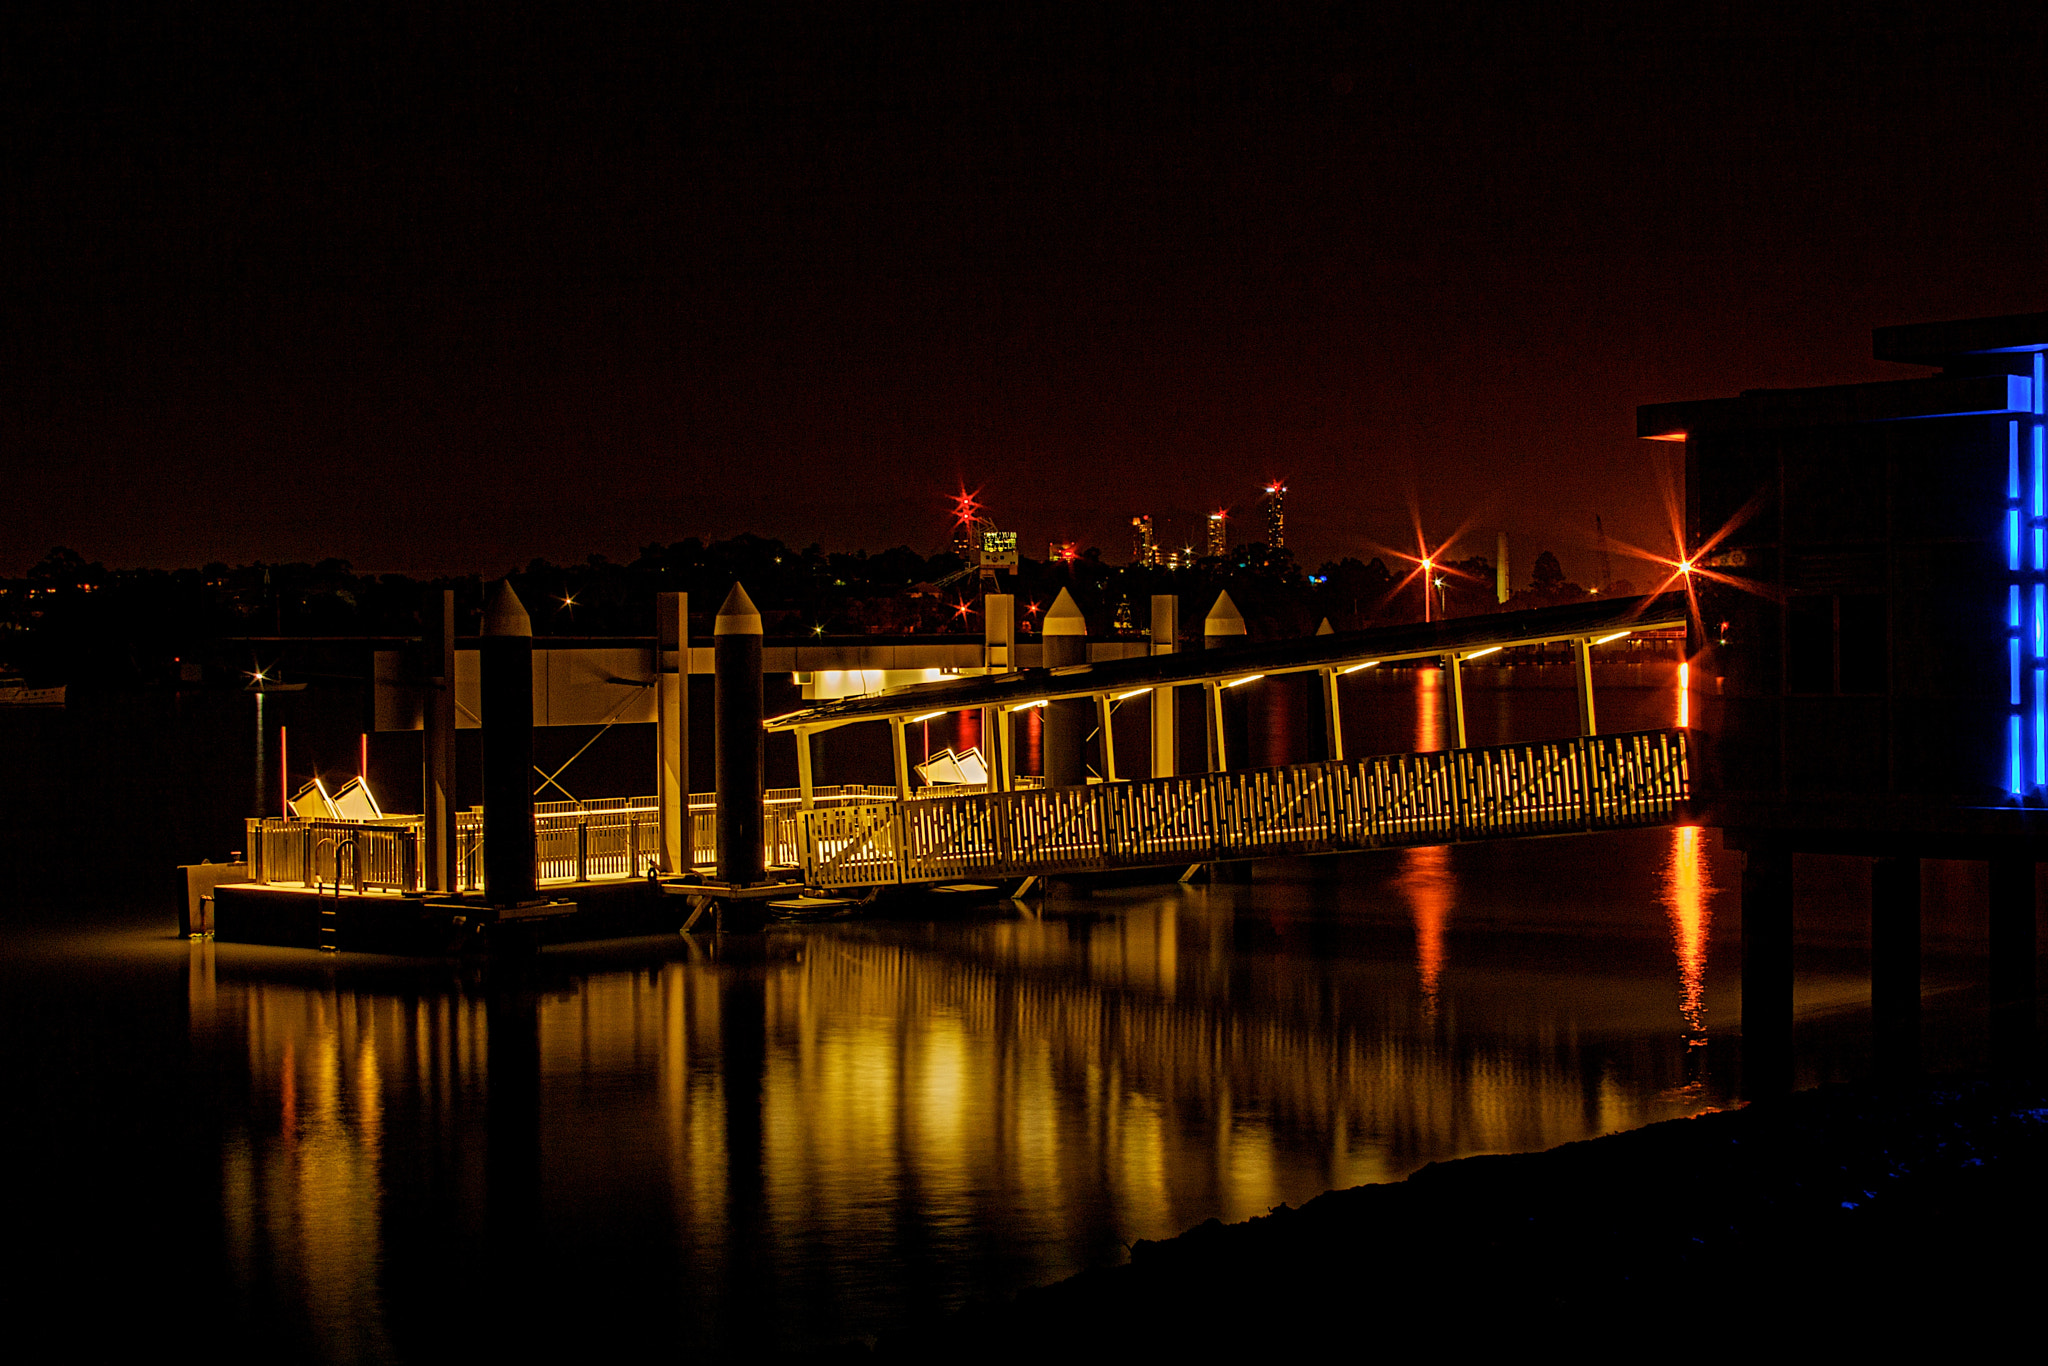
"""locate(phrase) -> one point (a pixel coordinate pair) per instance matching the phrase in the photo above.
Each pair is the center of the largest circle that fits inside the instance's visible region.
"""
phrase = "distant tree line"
(72, 620)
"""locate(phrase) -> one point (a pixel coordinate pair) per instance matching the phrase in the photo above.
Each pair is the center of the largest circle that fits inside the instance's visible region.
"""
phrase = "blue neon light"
(2012, 459)
(2012, 538)
(2039, 376)
(2040, 621)
(2012, 607)
(2019, 775)
(2037, 469)
(2013, 648)
(2040, 726)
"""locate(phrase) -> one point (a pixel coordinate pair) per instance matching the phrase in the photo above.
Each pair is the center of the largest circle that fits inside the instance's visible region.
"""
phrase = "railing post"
(582, 850)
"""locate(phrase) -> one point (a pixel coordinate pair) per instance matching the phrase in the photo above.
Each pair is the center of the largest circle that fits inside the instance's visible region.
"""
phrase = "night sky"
(447, 293)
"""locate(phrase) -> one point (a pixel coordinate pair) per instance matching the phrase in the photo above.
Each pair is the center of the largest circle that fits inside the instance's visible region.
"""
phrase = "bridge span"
(1581, 783)
(1560, 787)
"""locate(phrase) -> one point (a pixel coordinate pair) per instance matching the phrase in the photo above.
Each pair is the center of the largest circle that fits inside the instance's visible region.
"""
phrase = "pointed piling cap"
(737, 615)
(1324, 629)
(504, 613)
(1224, 619)
(1065, 618)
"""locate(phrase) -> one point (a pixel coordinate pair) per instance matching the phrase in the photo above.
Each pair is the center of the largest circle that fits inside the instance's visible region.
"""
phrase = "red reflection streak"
(290, 1079)
(1426, 881)
(1687, 899)
(1684, 695)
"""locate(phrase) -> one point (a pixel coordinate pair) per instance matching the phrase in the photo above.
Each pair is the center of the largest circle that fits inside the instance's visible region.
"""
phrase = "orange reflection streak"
(1688, 897)
(1425, 879)
(1684, 695)
(1429, 715)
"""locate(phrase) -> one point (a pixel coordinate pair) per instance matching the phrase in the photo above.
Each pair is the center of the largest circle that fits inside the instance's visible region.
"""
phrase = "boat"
(15, 692)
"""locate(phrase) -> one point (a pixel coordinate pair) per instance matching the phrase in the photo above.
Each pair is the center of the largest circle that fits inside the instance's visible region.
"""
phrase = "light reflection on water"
(842, 1128)
(849, 1125)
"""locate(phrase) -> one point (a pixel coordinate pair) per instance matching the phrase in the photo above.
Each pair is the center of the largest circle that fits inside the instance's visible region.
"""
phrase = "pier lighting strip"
(1126, 696)
(1027, 706)
(1240, 682)
(1604, 639)
(1356, 667)
(1480, 654)
(926, 717)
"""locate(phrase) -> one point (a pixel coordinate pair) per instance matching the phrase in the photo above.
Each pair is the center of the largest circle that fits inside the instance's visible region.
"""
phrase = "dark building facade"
(1870, 662)
(1872, 577)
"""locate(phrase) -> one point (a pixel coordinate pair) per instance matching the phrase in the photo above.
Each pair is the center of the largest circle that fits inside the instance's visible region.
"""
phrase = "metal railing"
(1600, 782)
(595, 840)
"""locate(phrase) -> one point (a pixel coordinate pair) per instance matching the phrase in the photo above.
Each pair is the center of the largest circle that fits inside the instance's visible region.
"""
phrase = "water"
(837, 1129)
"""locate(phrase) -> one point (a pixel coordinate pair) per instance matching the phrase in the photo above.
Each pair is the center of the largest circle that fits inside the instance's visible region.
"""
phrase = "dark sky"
(449, 292)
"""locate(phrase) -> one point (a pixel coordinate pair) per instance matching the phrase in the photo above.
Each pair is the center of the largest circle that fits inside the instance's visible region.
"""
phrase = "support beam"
(1895, 965)
(1766, 971)
(1455, 701)
(1105, 712)
(1582, 652)
(2012, 964)
(1165, 640)
(899, 751)
(1333, 719)
(672, 730)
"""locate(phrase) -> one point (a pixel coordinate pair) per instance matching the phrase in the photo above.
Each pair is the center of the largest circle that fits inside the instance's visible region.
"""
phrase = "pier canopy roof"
(1464, 637)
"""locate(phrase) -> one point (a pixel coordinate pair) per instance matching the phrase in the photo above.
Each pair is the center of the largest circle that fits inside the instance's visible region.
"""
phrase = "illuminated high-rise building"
(1144, 548)
(1276, 515)
(1219, 534)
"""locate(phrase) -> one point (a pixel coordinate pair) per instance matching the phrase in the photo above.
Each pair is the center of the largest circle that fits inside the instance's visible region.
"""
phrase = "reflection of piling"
(736, 668)
(505, 677)
(1066, 721)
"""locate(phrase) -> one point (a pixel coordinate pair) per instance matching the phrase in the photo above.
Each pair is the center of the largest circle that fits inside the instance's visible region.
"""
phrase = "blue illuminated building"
(1871, 672)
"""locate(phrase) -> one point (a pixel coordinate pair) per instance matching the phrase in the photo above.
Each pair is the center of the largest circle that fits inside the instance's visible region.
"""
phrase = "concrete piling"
(437, 777)
(1165, 734)
(1895, 964)
(736, 669)
(1066, 720)
(1766, 971)
(505, 677)
(1229, 725)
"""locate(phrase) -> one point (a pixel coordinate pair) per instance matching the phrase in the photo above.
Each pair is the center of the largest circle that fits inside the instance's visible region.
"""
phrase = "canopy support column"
(806, 785)
(1582, 651)
(900, 752)
(1104, 710)
(1213, 695)
(1333, 721)
(1457, 701)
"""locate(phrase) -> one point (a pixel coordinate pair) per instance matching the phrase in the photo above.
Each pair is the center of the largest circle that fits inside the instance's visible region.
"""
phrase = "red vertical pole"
(284, 777)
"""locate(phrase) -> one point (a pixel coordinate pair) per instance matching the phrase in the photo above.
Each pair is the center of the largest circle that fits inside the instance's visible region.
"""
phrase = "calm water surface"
(831, 1130)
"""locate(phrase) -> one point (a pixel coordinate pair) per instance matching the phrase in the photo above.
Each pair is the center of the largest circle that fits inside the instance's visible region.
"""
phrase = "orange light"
(1684, 695)
(1667, 436)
